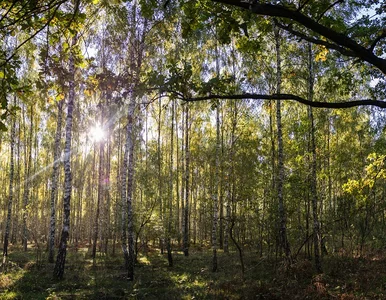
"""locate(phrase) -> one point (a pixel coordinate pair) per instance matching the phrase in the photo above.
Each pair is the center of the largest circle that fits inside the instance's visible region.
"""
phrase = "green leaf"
(2, 75)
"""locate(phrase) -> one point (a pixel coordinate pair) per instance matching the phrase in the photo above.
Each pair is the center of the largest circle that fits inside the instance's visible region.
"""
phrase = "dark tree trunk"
(284, 243)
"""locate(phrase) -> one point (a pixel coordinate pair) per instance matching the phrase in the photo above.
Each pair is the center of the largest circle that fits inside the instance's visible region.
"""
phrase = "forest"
(192, 149)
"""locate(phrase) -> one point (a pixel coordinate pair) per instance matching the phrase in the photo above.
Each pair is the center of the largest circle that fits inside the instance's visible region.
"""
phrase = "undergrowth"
(191, 278)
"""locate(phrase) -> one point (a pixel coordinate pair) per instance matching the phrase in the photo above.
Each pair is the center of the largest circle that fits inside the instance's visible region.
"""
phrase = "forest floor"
(191, 277)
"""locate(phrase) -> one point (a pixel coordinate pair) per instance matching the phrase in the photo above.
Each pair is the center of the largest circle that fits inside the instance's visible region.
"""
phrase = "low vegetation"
(191, 277)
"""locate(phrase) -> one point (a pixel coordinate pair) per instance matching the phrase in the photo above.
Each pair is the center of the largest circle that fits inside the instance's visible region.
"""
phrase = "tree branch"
(7, 60)
(318, 104)
(328, 8)
(375, 42)
(7, 12)
(302, 5)
(29, 14)
(336, 37)
(315, 41)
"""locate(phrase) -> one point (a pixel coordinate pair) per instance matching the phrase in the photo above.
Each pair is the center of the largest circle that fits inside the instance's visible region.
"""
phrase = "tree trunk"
(107, 195)
(187, 187)
(15, 226)
(170, 219)
(54, 186)
(159, 165)
(99, 199)
(10, 197)
(61, 257)
(130, 186)
(280, 179)
(313, 182)
(27, 182)
(216, 191)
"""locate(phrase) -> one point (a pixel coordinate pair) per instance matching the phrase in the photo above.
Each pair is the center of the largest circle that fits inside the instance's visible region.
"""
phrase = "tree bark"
(10, 196)
(99, 198)
(216, 191)
(280, 178)
(61, 257)
(15, 226)
(313, 181)
(130, 186)
(27, 182)
(187, 187)
(170, 219)
(159, 166)
(54, 185)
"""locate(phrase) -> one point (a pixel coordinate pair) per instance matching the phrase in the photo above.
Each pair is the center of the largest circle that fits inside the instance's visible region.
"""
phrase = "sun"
(97, 133)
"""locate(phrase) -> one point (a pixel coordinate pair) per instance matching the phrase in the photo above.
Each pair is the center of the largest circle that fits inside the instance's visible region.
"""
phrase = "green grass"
(191, 278)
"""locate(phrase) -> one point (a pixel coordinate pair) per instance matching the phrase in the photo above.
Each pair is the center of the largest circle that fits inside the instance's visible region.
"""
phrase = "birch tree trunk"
(159, 165)
(54, 184)
(280, 179)
(61, 257)
(187, 187)
(231, 177)
(182, 161)
(27, 183)
(130, 185)
(216, 191)
(107, 195)
(10, 197)
(313, 182)
(99, 198)
(15, 226)
(170, 219)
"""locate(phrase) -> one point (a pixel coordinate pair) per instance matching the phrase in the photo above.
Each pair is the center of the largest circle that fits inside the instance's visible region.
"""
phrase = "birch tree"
(61, 257)
(54, 183)
(10, 192)
(284, 244)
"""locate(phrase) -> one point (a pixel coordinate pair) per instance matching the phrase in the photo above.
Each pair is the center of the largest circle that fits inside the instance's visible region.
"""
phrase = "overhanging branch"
(315, 41)
(375, 42)
(318, 104)
(328, 8)
(338, 38)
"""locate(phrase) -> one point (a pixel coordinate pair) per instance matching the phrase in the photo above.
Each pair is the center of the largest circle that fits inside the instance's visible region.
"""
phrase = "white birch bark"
(54, 184)
(61, 257)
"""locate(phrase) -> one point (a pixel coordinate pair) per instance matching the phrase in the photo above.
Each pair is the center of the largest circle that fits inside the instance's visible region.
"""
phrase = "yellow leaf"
(59, 97)
(322, 54)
